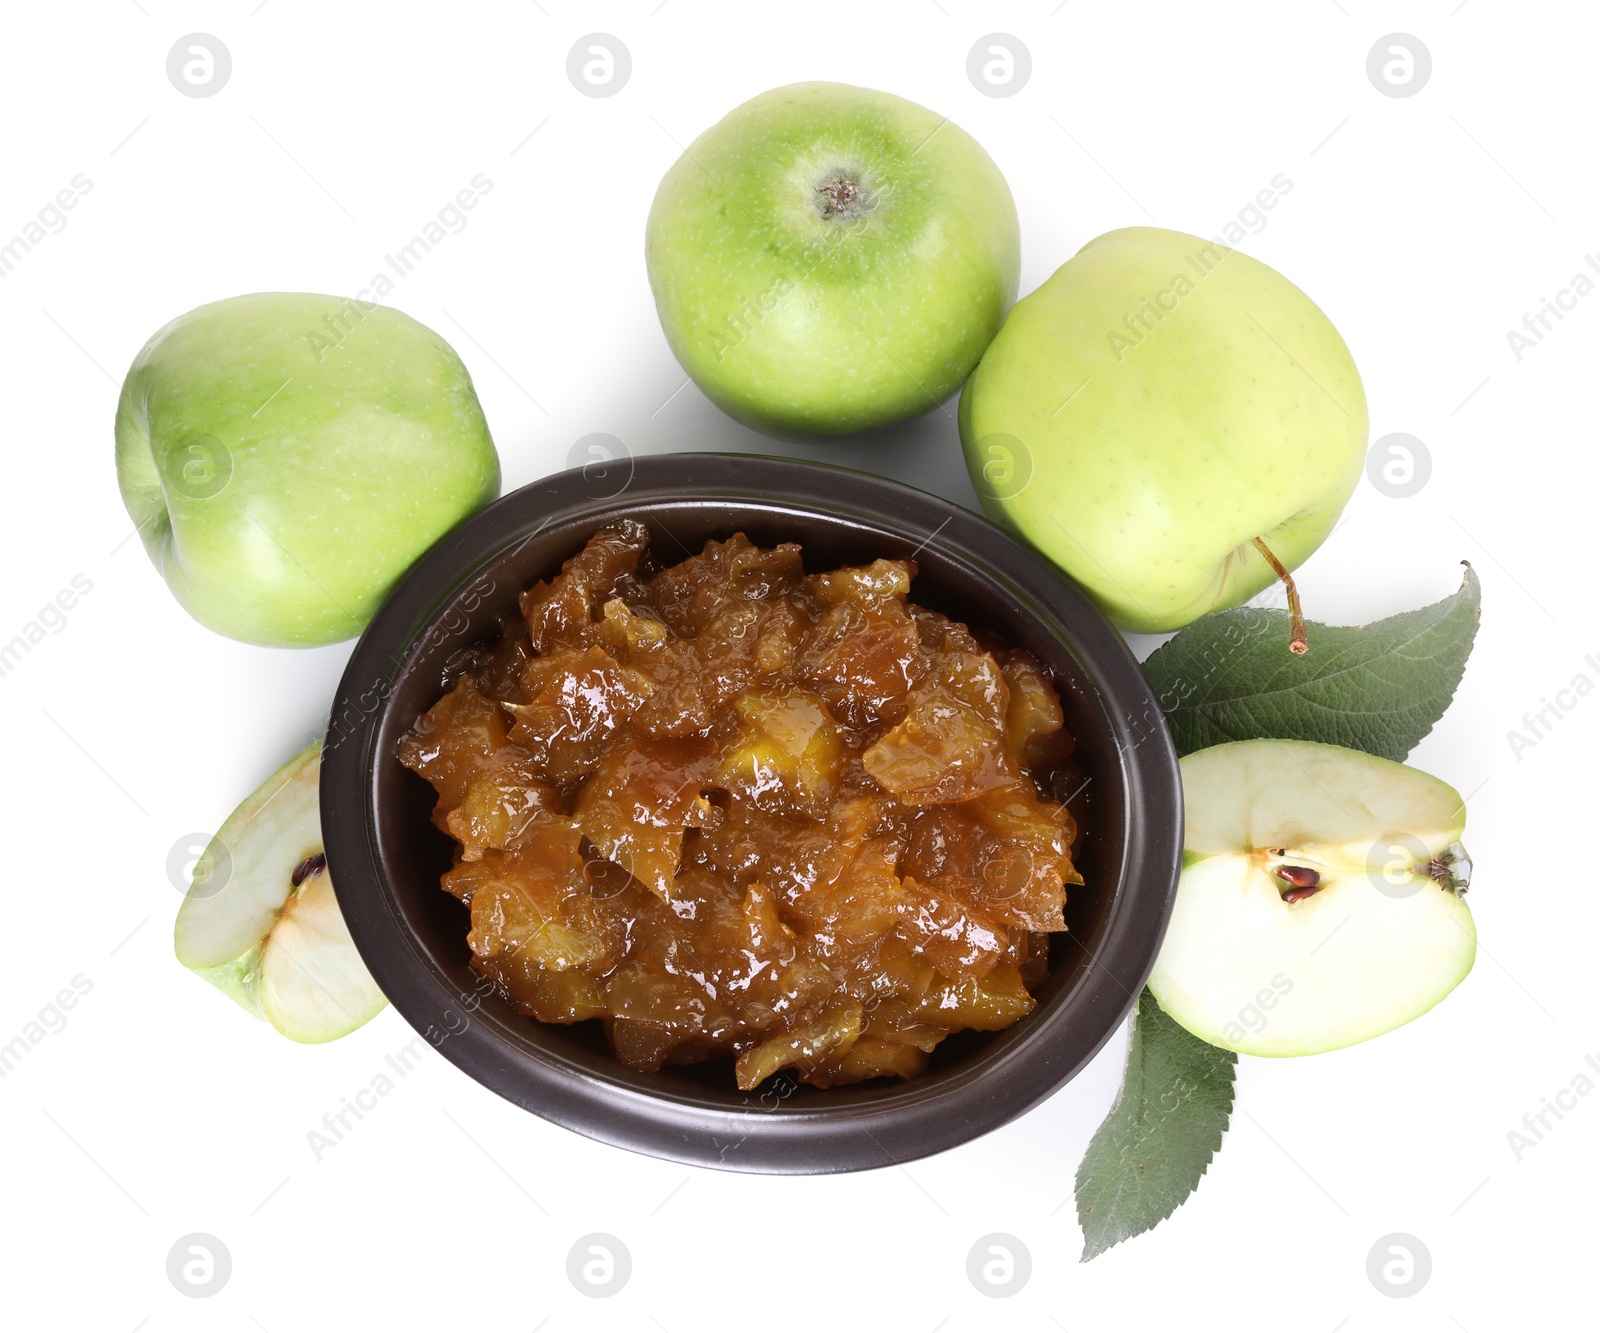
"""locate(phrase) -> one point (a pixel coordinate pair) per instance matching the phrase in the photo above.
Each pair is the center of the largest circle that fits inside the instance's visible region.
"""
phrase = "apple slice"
(260, 920)
(1320, 902)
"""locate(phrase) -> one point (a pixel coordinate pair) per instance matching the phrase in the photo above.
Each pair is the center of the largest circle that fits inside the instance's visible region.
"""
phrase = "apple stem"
(1297, 620)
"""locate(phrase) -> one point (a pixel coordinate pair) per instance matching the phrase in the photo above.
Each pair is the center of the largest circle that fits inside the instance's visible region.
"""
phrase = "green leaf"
(1155, 1145)
(1380, 687)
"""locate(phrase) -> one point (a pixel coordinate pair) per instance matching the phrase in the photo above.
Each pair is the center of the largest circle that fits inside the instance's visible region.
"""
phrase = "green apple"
(1320, 902)
(260, 920)
(828, 258)
(1160, 405)
(286, 456)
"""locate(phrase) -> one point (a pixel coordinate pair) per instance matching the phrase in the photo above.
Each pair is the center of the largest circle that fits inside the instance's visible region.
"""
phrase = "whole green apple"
(286, 456)
(1153, 411)
(827, 259)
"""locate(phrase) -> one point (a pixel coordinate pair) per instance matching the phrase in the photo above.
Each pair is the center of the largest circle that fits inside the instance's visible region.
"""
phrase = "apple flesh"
(1153, 409)
(260, 920)
(829, 258)
(1320, 902)
(286, 456)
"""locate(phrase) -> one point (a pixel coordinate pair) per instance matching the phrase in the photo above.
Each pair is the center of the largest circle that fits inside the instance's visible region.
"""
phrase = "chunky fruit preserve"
(730, 808)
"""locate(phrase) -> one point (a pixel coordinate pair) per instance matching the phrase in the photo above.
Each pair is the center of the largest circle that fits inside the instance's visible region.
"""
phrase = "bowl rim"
(884, 1126)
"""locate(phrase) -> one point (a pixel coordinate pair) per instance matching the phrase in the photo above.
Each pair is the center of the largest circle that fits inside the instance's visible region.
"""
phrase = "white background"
(1425, 226)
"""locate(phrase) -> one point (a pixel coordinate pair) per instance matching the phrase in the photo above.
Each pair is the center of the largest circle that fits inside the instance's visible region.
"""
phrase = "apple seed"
(1302, 880)
(312, 865)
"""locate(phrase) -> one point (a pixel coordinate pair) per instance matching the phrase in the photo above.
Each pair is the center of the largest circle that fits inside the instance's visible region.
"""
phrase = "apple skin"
(800, 325)
(1235, 412)
(350, 440)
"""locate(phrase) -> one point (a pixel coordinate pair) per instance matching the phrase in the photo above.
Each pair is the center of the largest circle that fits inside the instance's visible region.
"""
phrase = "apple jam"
(730, 808)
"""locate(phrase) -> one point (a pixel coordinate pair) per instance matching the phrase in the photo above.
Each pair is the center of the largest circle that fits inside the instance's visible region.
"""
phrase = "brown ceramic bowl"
(386, 857)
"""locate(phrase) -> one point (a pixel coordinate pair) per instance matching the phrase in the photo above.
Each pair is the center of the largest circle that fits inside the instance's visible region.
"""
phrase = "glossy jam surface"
(730, 808)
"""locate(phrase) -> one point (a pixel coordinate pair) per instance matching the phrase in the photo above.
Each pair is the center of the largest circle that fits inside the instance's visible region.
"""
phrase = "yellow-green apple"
(1157, 413)
(828, 258)
(1320, 901)
(286, 456)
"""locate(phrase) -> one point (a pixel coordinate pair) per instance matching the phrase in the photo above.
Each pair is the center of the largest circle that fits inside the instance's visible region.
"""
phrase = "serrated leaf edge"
(1089, 1250)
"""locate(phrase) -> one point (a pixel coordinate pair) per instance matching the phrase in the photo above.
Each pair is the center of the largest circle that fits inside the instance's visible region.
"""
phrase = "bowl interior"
(415, 854)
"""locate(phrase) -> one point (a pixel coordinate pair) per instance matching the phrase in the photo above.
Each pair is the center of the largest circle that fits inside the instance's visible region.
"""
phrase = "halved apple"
(1321, 898)
(260, 920)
